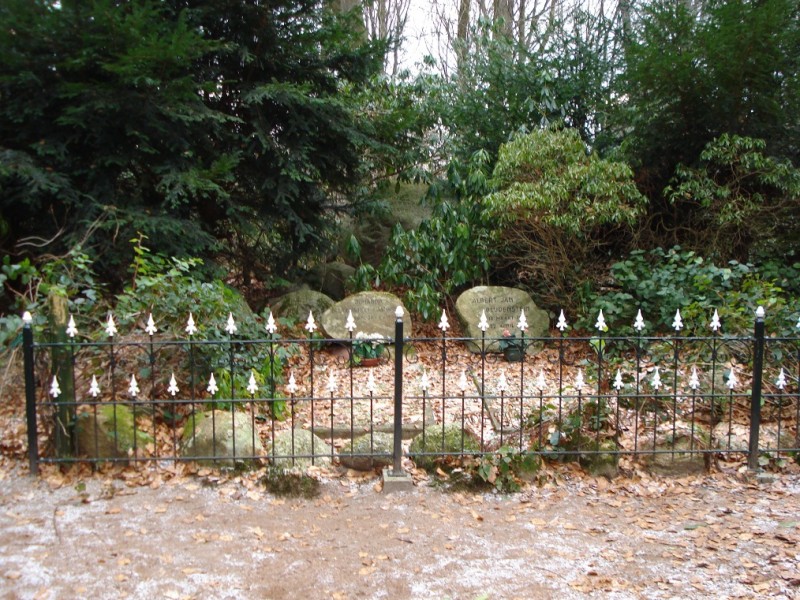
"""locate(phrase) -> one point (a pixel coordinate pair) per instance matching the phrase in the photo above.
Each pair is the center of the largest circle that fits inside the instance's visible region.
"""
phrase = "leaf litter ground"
(182, 532)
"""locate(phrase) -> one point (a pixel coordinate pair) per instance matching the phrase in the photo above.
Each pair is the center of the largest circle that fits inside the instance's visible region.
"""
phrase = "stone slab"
(502, 306)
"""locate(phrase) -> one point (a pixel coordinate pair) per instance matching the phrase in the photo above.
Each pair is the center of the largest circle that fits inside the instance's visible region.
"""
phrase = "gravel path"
(720, 536)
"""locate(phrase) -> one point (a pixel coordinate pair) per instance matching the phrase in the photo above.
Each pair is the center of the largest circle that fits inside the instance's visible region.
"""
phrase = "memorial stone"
(502, 306)
(373, 312)
(296, 305)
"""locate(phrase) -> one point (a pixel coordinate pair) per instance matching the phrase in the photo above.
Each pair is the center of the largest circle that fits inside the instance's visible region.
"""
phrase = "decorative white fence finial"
(618, 384)
(562, 322)
(150, 328)
(715, 322)
(94, 388)
(462, 382)
(350, 324)
(694, 380)
(173, 386)
(522, 324)
(252, 385)
(399, 312)
(271, 326)
(601, 322)
(27, 318)
(656, 383)
(72, 330)
(541, 383)
(212, 385)
(291, 387)
(677, 322)
(444, 324)
(55, 390)
(502, 382)
(733, 381)
(483, 324)
(760, 312)
(230, 326)
(780, 382)
(111, 327)
(638, 324)
(133, 388)
(424, 382)
(191, 329)
(331, 382)
(579, 381)
(311, 325)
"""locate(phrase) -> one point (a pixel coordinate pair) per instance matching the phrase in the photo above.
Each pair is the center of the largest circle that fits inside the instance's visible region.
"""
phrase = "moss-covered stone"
(448, 444)
(111, 434)
(221, 438)
(379, 443)
(298, 442)
(676, 454)
(603, 461)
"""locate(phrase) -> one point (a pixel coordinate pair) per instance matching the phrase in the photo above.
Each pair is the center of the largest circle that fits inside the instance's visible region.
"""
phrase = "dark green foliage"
(559, 211)
(661, 282)
(694, 71)
(210, 127)
(739, 202)
(447, 252)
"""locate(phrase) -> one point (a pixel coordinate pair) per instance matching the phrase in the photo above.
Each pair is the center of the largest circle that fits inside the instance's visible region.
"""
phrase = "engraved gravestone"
(373, 312)
(502, 306)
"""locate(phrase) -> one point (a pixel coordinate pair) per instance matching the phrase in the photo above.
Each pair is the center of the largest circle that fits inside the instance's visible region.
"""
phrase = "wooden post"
(61, 357)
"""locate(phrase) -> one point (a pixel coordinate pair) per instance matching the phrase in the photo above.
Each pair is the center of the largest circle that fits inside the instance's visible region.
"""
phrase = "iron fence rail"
(573, 397)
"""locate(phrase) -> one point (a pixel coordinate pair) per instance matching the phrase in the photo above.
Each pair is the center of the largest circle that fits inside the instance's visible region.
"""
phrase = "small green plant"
(506, 469)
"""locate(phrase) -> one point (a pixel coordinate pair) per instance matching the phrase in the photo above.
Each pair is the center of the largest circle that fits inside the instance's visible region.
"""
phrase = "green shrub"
(559, 210)
(660, 282)
(446, 252)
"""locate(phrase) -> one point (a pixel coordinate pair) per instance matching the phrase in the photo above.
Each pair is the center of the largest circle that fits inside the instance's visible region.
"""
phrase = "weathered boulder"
(373, 312)
(446, 446)
(330, 279)
(298, 442)
(221, 438)
(678, 453)
(503, 306)
(736, 436)
(603, 461)
(296, 305)
(111, 434)
(379, 443)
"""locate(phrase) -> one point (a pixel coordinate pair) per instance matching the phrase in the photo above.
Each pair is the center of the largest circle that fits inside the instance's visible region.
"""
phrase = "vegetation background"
(602, 154)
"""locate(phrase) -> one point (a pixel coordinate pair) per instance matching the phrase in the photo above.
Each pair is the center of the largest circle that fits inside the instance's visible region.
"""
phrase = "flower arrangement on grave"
(367, 347)
(512, 347)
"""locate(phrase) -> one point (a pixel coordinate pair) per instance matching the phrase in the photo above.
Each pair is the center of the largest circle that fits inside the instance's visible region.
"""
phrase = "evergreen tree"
(206, 126)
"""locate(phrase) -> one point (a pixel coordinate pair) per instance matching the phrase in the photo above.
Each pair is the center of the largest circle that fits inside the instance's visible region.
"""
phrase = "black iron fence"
(310, 400)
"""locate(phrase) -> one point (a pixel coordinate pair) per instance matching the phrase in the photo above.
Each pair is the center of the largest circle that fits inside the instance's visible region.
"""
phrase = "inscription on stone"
(502, 307)
(373, 312)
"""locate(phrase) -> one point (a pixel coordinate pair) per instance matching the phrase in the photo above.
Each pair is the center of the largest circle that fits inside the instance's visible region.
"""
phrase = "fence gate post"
(30, 394)
(397, 469)
(755, 398)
